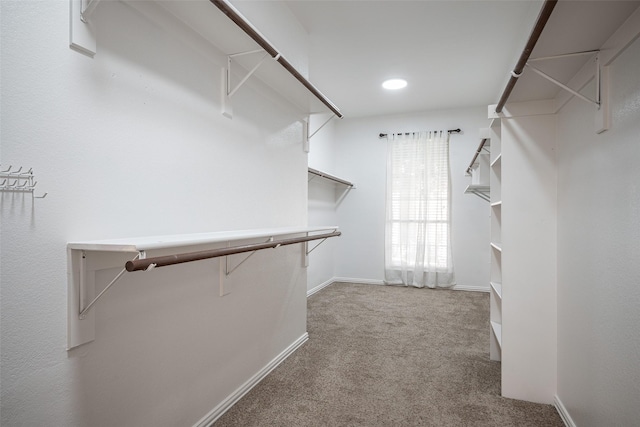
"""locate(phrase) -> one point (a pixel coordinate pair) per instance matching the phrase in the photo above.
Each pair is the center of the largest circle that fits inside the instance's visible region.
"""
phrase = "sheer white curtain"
(418, 205)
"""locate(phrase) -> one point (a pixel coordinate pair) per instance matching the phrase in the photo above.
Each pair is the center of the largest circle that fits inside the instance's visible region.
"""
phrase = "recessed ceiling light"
(393, 84)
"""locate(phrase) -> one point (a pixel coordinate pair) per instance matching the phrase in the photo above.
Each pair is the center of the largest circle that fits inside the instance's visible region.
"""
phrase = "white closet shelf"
(497, 331)
(482, 191)
(220, 24)
(146, 243)
(331, 178)
(85, 258)
(497, 161)
(497, 287)
(216, 21)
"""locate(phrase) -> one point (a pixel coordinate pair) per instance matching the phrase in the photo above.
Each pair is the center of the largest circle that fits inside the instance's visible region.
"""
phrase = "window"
(418, 250)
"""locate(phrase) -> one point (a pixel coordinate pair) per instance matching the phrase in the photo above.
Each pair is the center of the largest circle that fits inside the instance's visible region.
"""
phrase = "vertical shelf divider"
(495, 178)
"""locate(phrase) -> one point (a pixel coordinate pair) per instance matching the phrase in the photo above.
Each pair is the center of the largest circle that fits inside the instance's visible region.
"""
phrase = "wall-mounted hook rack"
(18, 181)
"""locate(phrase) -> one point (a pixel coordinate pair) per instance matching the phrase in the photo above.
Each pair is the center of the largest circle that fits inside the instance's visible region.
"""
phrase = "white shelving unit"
(525, 178)
(495, 179)
(523, 236)
(249, 55)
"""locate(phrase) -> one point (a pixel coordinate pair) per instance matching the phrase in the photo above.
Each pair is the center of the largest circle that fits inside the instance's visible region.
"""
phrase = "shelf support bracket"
(596, 102)
(224, 268)
(317, 244)
(228, 90)
(228, 272)
(81, 35)
(309, 135)
(307, 251)
(88, 7)
(83, 311)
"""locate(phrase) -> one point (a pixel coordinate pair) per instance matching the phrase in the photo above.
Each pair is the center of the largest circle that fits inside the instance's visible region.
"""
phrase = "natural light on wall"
(394, 84)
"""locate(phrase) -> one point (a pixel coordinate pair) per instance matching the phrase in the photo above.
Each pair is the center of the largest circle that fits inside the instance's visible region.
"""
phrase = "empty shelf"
(497, 331)
(481, 191)
(497, 161)
(137, 244)
(497, 287)
(335, 179)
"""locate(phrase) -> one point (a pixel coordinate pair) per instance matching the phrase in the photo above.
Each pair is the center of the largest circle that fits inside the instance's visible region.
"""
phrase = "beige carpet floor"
(389, 356)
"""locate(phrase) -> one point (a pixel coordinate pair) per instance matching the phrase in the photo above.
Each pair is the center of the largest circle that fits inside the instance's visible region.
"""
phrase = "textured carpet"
(389, 356)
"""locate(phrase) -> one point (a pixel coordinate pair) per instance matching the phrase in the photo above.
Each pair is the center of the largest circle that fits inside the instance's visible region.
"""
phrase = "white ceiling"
(452, 53)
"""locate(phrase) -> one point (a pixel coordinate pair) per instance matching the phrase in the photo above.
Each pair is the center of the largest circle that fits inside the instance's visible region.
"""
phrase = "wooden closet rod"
(480, 147)
(250, 30)
(543, 17)
(162, 261)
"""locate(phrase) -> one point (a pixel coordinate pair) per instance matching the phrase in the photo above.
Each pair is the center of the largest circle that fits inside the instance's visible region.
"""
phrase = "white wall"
(598, 254)
(132, 143)
(361, 158)
(528, 257)
(324, 198)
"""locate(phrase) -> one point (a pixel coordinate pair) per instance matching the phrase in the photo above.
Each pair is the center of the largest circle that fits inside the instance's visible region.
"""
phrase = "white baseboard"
(356, 280)
(564, 414)
(343, 279)
(381, 282)
(470, 288)
(227, 403)
(320, 287)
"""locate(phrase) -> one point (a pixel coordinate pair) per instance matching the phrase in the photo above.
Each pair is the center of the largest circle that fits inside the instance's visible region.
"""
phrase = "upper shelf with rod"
(334, 179)
(479, 166)
(85, 258)
(226, 28)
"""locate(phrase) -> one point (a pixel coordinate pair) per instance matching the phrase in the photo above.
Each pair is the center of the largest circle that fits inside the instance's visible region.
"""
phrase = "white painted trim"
(234, 397)
(564, 414)
(381, 282)
(361, 281)
(81, 35)
(320, 287)
(470, 288)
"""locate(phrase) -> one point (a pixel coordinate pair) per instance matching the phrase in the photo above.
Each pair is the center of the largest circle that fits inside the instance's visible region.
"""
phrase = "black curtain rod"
(384, 135)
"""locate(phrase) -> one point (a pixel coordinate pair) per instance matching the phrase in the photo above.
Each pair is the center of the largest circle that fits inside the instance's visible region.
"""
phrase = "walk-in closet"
(319, 213)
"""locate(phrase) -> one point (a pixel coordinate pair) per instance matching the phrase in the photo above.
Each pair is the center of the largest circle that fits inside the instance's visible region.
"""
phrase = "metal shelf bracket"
(88, 7)
(228, 90)
(83, 285)
(596, 101)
